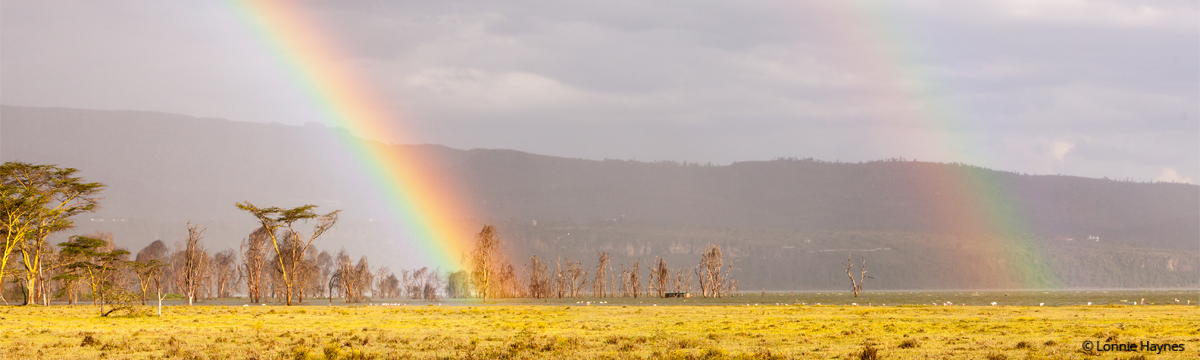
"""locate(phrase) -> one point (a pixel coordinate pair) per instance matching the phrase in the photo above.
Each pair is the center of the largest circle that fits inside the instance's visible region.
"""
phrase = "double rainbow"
(977, 206)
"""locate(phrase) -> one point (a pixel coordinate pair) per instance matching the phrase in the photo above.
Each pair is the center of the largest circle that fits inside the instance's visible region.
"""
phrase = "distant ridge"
(785, 221)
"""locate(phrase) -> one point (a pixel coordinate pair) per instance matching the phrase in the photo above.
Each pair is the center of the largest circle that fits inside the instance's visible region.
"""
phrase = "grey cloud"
(694, 81)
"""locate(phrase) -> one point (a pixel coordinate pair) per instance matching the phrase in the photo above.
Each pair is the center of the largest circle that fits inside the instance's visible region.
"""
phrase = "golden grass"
(616, 332)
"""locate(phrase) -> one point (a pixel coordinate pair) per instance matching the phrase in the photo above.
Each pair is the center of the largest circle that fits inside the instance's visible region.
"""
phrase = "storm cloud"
(1089, 88)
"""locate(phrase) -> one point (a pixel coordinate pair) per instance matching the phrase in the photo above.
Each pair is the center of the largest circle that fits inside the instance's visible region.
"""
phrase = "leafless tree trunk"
(484, 259)
(560, 278)
(325, 272)
(225, 269)
(507, 284)
(598, 285)
(630, 282)
(194, 262)
(660, 277)
(715, 279)
(537, 278)
(577, 277)
(856, 285)
(254, 262)
(389, 284)
(683, 281)
(433, 282)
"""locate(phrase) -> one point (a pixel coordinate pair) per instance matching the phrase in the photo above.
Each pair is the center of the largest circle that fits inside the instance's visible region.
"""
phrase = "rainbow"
(978, 207)
(430, 210)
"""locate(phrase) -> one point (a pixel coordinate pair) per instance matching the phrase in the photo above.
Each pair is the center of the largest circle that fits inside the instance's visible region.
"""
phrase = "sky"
(1086, 88)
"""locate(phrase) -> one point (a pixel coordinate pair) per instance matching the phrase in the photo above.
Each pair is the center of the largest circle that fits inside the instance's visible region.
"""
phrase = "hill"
(786, 223)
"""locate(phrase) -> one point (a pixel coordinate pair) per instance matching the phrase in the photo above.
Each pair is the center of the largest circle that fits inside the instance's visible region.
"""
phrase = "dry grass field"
(599, 332)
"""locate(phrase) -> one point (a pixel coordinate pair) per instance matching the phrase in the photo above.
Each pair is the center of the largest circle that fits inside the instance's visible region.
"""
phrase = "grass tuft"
(868, 352)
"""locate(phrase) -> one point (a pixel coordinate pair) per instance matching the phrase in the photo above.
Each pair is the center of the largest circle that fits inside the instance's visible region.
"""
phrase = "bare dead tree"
(577, 277)
(192, 261)
(714, 275)
(630, 282)
(431, 284)
(598, 285)
(537, 282)
(507, 284)
(408, 284)
(354, 280)
(254, 262)
(379, 276)
(856, 285)
(226, 270)
(683, 281)
(324, 271)
(660, 277)
(484, 260)
(389, 285)
(560, 278)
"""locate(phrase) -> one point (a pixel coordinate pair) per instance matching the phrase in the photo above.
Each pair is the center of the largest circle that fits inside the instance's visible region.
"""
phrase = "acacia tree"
(35, 202)
(91, 262)
(150, 266)
(275, 218)
(147, 271)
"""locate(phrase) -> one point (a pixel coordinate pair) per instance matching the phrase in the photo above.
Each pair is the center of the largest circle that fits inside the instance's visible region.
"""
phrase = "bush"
(869, 353)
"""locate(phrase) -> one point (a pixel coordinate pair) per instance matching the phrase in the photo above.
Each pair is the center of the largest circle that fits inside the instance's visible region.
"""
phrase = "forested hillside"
(787, 223)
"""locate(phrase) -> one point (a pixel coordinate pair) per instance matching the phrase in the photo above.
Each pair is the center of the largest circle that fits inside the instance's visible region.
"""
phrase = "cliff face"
(786, 223)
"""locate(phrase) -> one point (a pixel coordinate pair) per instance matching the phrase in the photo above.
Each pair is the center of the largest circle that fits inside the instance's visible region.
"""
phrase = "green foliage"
(35, 202)
(87, 258)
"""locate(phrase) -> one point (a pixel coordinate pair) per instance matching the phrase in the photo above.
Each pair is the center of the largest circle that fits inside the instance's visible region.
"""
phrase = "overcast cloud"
(1090, 88)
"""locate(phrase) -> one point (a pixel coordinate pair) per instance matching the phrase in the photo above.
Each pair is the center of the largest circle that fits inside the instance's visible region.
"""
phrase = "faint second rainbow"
(981, 208)
(431, 212)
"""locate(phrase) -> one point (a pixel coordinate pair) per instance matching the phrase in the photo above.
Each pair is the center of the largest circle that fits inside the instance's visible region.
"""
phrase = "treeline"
(277, 260)
(490, 275)
(93, 267)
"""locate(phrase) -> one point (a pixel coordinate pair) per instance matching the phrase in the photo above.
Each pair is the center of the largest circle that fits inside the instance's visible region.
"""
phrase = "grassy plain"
(614, 332)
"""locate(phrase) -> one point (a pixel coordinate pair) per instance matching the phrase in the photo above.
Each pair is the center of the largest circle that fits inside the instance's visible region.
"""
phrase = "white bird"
(993, 303)
(1042, 304)
(1089, 302)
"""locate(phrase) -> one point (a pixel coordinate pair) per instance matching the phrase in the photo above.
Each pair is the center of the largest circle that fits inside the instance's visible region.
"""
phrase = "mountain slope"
(785, 223)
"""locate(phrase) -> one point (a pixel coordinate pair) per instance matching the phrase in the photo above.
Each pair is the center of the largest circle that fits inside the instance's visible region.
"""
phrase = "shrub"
(868, 353)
